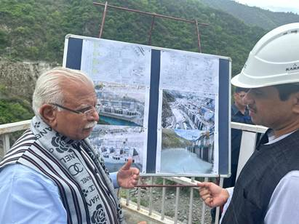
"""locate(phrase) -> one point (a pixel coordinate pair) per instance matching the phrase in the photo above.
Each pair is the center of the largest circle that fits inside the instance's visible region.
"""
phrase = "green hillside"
(13, 108)
(33, 30)
(253, 16)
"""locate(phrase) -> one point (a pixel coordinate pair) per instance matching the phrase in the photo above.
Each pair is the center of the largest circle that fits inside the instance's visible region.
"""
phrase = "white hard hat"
(274, 59)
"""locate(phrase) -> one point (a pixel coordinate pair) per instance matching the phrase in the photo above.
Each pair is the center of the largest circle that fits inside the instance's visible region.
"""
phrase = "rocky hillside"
(17, 81)
(20, 77)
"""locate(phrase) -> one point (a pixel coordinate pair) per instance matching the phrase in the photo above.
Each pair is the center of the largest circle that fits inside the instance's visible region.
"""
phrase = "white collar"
(272, 138)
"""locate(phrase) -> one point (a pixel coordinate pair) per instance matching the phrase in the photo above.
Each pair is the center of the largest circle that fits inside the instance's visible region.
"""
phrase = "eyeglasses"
(87, 111)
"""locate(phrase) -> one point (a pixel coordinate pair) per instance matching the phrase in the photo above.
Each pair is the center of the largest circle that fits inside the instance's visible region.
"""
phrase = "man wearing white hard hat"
(267, 190)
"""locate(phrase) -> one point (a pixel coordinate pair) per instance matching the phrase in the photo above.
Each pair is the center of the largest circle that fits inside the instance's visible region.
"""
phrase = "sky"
(274, 5)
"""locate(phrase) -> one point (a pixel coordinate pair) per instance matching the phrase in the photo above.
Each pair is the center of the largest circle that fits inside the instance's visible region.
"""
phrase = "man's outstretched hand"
(212, 194)
(127, 176)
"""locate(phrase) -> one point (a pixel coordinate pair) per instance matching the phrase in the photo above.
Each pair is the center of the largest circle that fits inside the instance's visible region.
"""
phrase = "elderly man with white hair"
(52, 174)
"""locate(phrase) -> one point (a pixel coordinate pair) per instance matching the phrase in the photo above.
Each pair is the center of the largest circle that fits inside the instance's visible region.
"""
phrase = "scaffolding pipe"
(103, 20)
(154, 15)
(150, 14)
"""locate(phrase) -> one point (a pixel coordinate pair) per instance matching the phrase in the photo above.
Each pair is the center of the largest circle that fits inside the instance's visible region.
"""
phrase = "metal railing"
(249, 137)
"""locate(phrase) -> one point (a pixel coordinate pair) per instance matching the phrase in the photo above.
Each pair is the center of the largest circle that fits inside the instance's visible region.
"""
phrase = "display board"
(166, 109)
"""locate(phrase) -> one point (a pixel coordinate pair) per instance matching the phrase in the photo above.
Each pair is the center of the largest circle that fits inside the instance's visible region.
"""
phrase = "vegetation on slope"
(35, 30)
(13, 108)
(253, 16)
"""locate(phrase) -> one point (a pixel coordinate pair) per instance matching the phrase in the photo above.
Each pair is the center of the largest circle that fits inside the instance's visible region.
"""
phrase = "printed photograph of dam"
(120, 105)
(187, 110)
(188, 133)
(117, 144)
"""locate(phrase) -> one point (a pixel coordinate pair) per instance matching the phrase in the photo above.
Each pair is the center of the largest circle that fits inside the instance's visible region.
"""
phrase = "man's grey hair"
(48, 87)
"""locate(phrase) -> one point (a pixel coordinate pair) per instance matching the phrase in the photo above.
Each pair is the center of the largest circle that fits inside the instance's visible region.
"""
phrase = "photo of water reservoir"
(120, 104)
(187, 110)
(117, 144)
(187, 152)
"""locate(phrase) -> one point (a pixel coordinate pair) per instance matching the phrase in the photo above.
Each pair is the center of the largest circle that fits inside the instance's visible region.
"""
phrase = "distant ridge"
(253, 16)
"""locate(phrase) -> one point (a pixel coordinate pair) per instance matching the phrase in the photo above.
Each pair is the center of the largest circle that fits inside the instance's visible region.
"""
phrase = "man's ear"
(235, 95)
(296, 103)
(48, 113)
